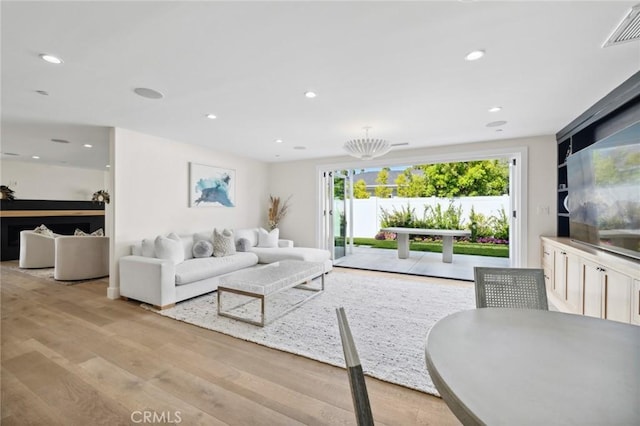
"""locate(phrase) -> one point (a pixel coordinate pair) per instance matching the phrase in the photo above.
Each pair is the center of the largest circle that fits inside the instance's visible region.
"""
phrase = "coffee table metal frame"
(251, 283)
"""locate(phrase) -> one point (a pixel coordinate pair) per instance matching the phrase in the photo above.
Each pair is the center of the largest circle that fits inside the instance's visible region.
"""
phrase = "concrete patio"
(418, 263)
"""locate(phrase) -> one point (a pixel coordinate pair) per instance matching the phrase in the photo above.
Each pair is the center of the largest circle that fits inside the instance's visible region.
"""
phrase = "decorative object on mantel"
(366, 149)
(211, 186)
(277, 211)
(6, 193)
(101, 196)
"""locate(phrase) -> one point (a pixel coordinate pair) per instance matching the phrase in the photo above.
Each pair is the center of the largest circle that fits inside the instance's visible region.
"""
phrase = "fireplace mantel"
(62, 217)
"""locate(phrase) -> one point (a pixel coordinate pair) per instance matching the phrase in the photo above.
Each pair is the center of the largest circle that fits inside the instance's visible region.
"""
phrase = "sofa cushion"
(223, 243)
(250, 234)
(270, 255)
(169, 248)
(187, 245)
(202, 248)
(268, 238)
(199, 269)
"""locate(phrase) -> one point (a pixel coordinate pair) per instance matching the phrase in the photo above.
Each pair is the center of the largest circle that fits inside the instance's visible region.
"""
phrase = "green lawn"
(477, 249)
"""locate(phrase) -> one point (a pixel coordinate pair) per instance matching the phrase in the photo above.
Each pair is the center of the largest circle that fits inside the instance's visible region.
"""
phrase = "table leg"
(447, 249)
(403, 246)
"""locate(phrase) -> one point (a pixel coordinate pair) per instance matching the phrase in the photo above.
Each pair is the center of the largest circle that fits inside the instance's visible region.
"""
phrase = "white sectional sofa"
(163, 283)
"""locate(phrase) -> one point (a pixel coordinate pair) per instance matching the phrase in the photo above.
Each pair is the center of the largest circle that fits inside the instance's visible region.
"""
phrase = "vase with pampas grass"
(277, 210)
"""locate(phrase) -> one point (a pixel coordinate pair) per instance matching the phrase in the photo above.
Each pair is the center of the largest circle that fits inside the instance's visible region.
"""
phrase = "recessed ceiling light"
(59, 140)
(42, 92)
(495, 109)
(148, 93)
(310, 94)
(496, 123)
(475, 55)
(51, 59)
(88, 145)
(211, 116)
(300, 148)
(277, 155)
(278, 141)
(35, 157)
(107, 166)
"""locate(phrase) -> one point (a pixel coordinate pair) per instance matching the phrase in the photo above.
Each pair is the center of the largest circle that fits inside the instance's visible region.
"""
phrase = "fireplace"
(62, 217)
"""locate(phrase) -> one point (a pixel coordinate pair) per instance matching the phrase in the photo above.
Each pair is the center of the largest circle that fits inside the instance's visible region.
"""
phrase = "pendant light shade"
(367, 148)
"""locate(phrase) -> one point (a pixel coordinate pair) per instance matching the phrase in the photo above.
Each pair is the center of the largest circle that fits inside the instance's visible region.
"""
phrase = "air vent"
(59, 140)
(627, 30)
(400, 144)
(13, 154)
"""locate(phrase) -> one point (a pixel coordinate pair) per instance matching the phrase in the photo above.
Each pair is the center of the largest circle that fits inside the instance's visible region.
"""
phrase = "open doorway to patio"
(482, 197)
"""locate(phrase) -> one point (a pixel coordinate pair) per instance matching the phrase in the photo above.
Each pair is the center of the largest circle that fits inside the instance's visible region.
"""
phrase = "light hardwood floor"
(70, 356)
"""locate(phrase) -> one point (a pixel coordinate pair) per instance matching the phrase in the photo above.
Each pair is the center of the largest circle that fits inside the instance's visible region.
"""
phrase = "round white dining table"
(499, 366)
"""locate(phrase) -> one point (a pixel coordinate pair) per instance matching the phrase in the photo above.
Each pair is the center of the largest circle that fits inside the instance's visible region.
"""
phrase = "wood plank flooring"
(70, 356)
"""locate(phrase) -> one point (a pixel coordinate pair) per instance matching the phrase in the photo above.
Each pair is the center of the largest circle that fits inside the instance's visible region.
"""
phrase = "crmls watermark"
(148, 416)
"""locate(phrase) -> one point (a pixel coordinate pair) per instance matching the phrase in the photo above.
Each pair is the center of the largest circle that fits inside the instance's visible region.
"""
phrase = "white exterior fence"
(366, 212)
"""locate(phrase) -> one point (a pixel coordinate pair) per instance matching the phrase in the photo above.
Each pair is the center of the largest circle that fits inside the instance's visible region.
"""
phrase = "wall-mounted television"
(604, 193)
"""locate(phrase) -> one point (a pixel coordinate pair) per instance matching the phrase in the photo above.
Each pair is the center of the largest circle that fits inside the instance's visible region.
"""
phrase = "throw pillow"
(268, 239)
(223, 244)
(169, 248)
(243, 244)
(43, 230)
(97, 233)
(148, 248)
(202, 248)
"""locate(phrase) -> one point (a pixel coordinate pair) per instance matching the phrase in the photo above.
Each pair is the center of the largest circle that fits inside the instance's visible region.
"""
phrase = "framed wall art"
(211, 186)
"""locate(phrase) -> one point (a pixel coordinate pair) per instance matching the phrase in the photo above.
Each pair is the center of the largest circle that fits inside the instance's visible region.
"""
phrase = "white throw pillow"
(97, 233)
(148, 248)
(223, 243)
(43, 230)
(202, 248)
(268, 239)
(169, 248)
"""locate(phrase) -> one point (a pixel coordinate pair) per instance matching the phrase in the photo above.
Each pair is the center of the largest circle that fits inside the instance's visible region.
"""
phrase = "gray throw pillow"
(169, 248)
(223, 244)
(243, 244)
(202, 248)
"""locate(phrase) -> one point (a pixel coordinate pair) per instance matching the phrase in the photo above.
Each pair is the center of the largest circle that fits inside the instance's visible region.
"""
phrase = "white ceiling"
(395, 66)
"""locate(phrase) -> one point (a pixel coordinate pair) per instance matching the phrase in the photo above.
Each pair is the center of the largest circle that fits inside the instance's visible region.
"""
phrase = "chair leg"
(357, 382)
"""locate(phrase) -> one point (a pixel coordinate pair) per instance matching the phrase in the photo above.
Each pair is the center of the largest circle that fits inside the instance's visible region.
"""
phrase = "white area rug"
(389, 319)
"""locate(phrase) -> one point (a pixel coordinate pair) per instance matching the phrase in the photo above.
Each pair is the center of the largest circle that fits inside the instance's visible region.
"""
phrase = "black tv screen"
(604, 193)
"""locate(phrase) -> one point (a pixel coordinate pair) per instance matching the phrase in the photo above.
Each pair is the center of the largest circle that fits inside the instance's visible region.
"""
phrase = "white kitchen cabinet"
(588, 281)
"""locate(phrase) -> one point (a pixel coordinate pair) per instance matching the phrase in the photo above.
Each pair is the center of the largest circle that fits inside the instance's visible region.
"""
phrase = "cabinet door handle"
(564, 253)
(547, 253)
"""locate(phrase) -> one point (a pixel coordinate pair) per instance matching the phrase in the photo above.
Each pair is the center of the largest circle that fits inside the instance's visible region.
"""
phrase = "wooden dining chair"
(510, 288)
(361, 405)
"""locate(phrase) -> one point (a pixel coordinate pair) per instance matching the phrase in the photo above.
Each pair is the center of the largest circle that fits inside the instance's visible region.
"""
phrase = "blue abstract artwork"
(211, 186)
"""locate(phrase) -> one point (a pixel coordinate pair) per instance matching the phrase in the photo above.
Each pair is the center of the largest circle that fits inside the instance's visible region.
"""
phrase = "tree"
(472, 178)
(382, 190)
(403, 185)
(360, 189)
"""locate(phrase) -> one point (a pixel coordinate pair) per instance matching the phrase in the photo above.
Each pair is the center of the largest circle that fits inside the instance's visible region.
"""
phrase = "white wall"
(299, 179)
(32, 181)
(151, 191)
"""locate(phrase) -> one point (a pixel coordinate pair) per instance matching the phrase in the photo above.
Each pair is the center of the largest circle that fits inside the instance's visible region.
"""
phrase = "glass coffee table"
(265, 282)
